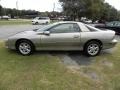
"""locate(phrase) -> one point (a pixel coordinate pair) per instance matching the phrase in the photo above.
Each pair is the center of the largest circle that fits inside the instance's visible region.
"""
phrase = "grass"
(15, 22)
(45, 72)
(18, 22)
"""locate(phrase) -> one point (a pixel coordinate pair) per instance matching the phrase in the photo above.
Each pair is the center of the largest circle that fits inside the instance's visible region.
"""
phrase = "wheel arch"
(97, 40)
(16, 43)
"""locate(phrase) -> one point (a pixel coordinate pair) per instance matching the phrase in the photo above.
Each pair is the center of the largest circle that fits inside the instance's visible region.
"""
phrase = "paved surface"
(6, 31)
(68, 58)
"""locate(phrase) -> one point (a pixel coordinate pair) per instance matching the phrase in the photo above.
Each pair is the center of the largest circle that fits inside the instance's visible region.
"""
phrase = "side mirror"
(46, 32)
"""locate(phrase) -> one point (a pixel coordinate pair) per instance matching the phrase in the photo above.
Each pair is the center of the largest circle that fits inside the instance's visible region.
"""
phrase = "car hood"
(23, 34)
(26, 32)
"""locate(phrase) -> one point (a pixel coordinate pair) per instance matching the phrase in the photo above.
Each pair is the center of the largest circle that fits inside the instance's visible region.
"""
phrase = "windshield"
(36, 18)
(46, 27)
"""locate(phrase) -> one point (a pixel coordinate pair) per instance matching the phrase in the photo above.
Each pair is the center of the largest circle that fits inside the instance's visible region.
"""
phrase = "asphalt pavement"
(9, 30)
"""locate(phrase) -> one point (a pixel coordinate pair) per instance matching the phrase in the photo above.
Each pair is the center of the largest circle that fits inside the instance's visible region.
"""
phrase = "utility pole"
(53, 10)
(53, 7)
(17, 7)
(0, 9)
(17, 4)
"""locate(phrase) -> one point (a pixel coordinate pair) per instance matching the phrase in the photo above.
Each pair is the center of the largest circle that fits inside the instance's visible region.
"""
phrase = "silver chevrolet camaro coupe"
(63, 36)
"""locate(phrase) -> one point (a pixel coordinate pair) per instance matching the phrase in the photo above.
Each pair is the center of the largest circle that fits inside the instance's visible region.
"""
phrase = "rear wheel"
(92, 48)
(25, 47)
(46, 23)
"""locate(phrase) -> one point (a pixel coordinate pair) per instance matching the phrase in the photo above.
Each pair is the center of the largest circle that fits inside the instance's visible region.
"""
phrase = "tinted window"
(92, 29)
(117, 24)
(43, 18)
(113, 24)
(65, 28)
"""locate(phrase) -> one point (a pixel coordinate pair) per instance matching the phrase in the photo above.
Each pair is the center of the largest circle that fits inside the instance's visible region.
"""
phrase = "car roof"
(68, 22)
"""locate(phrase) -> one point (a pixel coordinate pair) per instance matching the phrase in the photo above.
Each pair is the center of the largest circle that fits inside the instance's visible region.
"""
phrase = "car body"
(5, 17)
(41, 20)
(114, 25)
(87, 21)
(63, 36)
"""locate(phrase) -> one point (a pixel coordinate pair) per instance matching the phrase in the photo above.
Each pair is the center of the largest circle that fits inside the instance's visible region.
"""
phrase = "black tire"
(31, 47)
(89, 50)
(46, 23)
(36, 23)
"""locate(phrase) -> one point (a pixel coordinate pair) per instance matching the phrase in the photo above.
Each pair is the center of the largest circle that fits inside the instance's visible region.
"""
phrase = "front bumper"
(9, 44)
(33, 22)
(6, 43)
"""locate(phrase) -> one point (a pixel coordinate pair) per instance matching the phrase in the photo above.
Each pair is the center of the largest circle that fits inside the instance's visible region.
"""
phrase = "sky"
(43, 5)
(115, 3)
(39, 5)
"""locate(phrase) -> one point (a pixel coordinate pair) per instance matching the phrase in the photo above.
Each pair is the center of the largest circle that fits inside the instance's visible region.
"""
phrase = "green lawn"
(45, 72)
(15, 22)
(19, 22)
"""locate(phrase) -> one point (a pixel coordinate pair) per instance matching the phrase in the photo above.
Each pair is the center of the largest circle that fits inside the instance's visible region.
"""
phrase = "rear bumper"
(110, 44)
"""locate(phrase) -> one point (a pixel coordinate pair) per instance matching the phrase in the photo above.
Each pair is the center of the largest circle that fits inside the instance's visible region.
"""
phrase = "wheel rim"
(93, 49)
(24, 48)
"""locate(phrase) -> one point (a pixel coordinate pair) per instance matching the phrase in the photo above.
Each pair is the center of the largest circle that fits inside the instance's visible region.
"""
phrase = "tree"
(92, 9)
(109, 13)
(0, 10)
(79, 8)
(73, 8)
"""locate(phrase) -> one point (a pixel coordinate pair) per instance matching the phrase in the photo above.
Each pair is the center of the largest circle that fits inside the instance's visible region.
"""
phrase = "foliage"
(0, 10)
(92, 9)
(21, 13)
(14, 13)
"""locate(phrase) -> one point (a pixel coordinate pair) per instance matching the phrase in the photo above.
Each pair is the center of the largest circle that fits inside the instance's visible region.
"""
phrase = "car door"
(62, 37)
(41, 20)
(117, 27)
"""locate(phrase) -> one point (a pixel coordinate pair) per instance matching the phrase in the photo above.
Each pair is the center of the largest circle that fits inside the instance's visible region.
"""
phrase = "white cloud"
(44, 5)
(115, 3)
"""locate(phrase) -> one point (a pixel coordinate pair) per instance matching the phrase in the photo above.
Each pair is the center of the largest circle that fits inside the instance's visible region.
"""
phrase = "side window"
(76, 28)
(41, 18)
(117, 24)
(111, 24)
(65, 28)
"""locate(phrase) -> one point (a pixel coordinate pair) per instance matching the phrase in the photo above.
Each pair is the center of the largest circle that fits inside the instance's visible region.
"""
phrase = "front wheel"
(36, 23)
(92, 48)
(25, 47)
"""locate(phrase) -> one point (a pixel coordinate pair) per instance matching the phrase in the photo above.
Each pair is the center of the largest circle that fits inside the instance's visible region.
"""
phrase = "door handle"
(76, 36)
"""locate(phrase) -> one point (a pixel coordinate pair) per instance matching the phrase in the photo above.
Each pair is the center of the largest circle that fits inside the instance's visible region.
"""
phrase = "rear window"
(92, 29)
